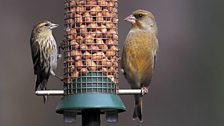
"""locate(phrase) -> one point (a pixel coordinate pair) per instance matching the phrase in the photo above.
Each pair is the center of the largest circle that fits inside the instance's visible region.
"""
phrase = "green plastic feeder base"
(78, 102)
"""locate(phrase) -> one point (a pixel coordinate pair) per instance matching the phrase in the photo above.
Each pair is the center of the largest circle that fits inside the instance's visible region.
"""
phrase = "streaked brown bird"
(44, 53)
(139, 52)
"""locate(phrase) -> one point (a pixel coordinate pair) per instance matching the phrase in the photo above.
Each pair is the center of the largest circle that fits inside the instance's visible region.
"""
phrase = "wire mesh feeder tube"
(90, 57)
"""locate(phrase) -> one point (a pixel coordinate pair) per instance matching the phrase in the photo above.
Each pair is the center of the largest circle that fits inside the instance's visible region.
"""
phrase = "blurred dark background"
(188, 84)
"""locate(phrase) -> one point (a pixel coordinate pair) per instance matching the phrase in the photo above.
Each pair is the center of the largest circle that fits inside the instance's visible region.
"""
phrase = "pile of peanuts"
(91, 38)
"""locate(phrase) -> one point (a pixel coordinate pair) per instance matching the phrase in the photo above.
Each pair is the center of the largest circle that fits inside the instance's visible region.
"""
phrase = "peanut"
(98, 56)
(84, 70)
(91, 65)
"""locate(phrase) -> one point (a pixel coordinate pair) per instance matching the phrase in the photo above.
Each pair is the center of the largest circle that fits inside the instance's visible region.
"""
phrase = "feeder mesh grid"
(90, 46)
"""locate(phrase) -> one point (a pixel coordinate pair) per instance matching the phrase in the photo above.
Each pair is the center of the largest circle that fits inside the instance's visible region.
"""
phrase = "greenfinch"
(139, 52)
(44, 53)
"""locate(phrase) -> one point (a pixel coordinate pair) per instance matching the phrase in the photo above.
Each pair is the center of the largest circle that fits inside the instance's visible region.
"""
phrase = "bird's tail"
(43, 86)
(138, 108)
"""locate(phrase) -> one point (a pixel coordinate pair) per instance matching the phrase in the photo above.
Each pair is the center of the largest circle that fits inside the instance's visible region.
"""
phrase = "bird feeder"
(90, 60)
(90, 49)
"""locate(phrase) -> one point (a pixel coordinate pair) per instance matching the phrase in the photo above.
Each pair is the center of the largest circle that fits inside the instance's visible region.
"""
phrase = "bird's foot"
(122, 70)
(60, 48)
(59, 56)
(60, 78)
(144, 90)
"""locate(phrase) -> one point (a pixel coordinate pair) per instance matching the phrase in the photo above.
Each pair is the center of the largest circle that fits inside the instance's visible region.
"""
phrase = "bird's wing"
(35, 50)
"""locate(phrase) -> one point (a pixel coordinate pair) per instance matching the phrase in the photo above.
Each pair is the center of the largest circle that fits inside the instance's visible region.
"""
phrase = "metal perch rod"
(120, 92)
(130, 91)
(50, 92)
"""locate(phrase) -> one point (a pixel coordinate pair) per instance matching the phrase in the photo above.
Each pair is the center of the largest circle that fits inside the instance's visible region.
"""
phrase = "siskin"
(44, 53)
(139, 52)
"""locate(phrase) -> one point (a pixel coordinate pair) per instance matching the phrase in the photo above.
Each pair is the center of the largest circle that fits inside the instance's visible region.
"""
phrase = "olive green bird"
(44, 53)
(139, 52)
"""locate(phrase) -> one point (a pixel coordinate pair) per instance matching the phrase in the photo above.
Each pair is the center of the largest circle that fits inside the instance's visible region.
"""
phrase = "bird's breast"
(139, 56)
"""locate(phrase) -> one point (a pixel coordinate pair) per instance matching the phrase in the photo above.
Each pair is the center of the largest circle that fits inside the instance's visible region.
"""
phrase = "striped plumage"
(44, 53)
(139, 52)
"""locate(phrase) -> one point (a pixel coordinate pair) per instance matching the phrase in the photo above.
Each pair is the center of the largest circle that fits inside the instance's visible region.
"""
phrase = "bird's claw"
(60, 48)
(144, 90)
(122, 70)
(60, 78)
(59, 56)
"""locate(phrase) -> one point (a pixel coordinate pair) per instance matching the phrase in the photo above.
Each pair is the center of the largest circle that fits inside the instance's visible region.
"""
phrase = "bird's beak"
(53, 26)
(130, 19)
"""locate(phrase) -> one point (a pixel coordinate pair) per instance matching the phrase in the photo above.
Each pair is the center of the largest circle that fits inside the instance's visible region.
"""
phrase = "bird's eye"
(47, 24)
(140, 15)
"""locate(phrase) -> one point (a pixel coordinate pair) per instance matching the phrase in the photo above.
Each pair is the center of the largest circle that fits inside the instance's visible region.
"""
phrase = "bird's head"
(45, 26)
(142, 19)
